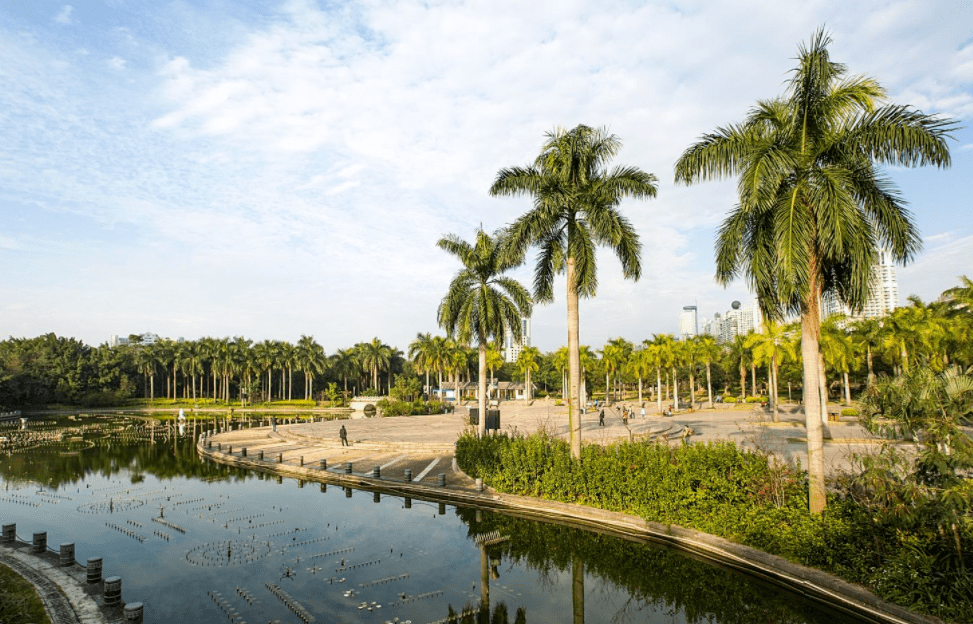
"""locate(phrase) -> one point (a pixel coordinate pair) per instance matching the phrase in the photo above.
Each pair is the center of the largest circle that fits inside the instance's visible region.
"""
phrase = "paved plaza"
(424, 444)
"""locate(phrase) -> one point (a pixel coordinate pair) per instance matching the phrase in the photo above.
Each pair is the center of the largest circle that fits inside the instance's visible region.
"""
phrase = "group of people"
(625, 411)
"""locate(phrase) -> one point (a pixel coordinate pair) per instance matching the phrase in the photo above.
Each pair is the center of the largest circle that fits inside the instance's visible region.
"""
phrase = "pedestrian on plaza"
(343, 434)
(601, 418)
(624, 417)
(643, 412)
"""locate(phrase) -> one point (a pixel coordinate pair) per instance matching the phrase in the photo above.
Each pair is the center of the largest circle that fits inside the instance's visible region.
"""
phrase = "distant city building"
(738, 321)
(884, 296)
(688, 323)
(147, 338)
(512, 348)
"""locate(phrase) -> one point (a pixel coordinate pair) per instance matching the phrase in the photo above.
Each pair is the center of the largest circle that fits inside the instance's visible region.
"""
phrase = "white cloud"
(295, 173)
(63, 16)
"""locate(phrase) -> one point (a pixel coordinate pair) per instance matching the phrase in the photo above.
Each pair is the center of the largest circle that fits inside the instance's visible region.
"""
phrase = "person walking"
(601, 418)
(343, 434)
(624, 417)
(643, 412)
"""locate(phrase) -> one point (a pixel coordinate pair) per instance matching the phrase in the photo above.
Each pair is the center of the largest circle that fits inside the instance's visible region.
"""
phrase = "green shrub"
(849, 411)
(730, 399)
(744, 496)
(756, 399)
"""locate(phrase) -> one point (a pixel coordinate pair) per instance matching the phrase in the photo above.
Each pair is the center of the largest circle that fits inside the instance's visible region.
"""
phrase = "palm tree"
(310, 359)
(373, 356)
(145, 359)
(494, 360)
(587, 361)
(639, 364)
(561, 363)
(739, 355)
(482, 304)
(654, 354)
(868, 335)
(771, 347)
(264, 354)
(813, 205)
(838, 350)
(575, 208)
(527, 362)
(420, 354)
(345, 364)
(612, 358)
(709, 352)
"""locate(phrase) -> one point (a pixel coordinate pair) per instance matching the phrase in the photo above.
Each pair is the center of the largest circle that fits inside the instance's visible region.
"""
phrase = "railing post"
(94, 569)
(113, 591)
(40, 542)
(67, 554)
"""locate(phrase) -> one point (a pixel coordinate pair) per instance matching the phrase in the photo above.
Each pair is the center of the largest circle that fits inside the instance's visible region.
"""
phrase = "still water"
(200, 542)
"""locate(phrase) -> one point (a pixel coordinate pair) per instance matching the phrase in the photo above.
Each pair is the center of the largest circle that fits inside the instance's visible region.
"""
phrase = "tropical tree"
(420, 352)
(867, 334)
(639, 364)
(738, 354)
(528, 363)
(612, 359)
(576, 202)
(345, 364)
(587, 361)
(145, 360)
(494, 360)
(561, 363)
(482, 304)
(838, 351)
(373, 356)
(709, 352)
(813, 206)
(310, 358)
(770, 347)
(655, 355)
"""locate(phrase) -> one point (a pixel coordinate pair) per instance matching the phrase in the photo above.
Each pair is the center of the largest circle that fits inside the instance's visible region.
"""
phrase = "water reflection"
(198, 541)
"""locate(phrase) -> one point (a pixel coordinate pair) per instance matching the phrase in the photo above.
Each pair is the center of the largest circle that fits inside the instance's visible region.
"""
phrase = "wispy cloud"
(63, 16)
(294, 172)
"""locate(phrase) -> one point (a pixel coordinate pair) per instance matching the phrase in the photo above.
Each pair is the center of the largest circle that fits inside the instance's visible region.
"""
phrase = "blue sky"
(276, 169)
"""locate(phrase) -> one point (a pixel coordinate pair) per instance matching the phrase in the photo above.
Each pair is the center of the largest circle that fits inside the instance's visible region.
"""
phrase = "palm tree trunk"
(606, 386)
(824, 393)
(675, 390)
(481, 393)
(753, 377)
(810, 336)
(743, 381)
(773, 386)
(574, 360)
(640, 388)
(658, 388)
(709, 385)
(871, 368)
(847, 389)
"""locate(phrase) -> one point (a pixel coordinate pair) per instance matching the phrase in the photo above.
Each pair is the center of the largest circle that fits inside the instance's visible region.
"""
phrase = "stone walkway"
(425, 444)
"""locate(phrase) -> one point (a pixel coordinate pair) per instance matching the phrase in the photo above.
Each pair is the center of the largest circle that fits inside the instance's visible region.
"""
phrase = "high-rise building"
(884, 296)
(738, 321)
(688, 323)
(512, 347)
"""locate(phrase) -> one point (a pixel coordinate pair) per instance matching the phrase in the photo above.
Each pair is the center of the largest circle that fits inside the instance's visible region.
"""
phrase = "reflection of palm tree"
(482, 304)
(577, 589)
(575, 208)
(813, 205)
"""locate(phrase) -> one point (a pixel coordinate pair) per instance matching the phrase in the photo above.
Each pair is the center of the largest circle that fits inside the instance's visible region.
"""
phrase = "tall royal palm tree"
(814, 208)
(345, 364)
(482, 304)
(561, 363)
(309, 357)
(494, 360)
(576, 202)
(867, 333)
(654, 354)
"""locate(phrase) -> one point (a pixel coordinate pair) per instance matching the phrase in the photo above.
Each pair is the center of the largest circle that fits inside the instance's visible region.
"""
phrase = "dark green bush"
(744, 496)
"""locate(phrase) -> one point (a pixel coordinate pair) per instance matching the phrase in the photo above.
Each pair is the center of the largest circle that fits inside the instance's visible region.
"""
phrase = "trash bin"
(493, 419)
(475, 416)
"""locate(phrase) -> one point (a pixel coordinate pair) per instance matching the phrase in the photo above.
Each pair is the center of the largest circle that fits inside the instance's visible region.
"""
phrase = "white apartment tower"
(884, 296)
(512, 347)
(738, 321)
(688, 323)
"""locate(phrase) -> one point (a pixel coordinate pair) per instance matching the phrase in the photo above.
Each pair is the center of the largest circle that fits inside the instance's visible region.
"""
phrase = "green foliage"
(406, 388)
(391, 407)
(741, 495)
(849, 411)
(730, 399)
(18, 600)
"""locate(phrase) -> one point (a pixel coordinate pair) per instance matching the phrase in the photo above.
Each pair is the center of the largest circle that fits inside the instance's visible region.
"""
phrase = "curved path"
(425, 445)
(64, 598)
